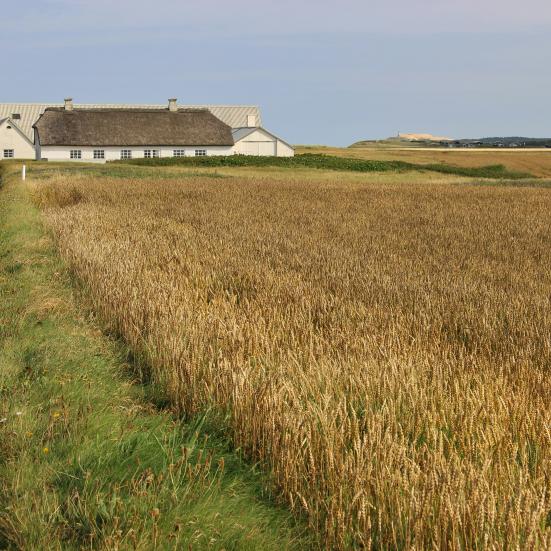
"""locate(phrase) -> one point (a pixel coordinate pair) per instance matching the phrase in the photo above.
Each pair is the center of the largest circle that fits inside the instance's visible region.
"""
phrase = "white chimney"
(68, 104)
(251, 121)
(172, 105)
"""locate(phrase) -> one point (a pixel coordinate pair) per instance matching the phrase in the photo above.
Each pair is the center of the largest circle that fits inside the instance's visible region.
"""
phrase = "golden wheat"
(382, 349)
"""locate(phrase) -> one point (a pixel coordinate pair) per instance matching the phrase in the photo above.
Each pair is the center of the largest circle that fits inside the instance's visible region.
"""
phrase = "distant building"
(99, 133)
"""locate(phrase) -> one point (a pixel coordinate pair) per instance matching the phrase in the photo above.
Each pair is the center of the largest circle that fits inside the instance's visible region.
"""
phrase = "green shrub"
(327, 162)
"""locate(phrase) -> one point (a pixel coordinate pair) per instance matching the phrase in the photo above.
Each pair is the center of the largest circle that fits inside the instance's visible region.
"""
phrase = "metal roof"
(233, 115)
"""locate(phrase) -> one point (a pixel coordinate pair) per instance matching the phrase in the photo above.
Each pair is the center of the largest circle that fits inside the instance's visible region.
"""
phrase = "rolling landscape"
(348, 349)
(275, 276)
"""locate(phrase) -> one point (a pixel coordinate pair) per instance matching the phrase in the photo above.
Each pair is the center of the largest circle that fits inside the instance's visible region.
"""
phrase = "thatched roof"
(234, 115)
(131, 127)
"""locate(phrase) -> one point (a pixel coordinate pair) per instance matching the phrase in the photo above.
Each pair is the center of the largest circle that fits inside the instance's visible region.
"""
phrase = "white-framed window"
(151, 154)
(76, 154)
(126, 154)
(9, 153)
(179, 153)
(99, 154)
(200, 152)
(16, 116)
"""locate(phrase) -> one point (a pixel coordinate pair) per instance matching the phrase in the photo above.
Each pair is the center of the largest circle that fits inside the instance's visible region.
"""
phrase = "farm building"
(258, 141)
(14, 142)
(65, 133)
(99, 133)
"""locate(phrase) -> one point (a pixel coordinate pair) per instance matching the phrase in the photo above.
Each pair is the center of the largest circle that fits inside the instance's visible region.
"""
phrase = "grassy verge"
(330, 162)
(87, 460)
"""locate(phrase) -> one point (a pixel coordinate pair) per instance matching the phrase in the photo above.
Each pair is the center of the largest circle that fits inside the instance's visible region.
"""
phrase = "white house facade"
(103, 154)
(14, 143)
(245, 122)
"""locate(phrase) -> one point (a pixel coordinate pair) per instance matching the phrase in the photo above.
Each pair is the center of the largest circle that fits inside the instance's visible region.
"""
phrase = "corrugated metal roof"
(233, 115)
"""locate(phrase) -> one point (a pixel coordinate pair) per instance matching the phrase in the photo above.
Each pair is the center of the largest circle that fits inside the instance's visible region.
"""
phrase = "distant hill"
(422, 138)
(428, 140)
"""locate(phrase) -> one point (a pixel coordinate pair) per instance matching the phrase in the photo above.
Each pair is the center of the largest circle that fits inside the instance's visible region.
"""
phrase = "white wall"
(264, 148)
(262, 143)
(11, 138)
(63, 153)
(284, 150)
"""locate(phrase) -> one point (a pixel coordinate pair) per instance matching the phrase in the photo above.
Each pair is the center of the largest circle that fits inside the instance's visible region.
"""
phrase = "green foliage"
(327, 162)
(491, 171)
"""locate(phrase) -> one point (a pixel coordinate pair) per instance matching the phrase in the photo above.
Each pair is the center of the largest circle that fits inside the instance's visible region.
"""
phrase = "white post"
(23, 172)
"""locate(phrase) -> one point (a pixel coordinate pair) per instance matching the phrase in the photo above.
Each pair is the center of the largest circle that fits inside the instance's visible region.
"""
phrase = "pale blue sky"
(322, 72)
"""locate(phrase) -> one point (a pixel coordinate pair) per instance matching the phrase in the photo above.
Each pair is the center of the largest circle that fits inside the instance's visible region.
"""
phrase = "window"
(16, 116)
(151, 154)
(99, 154)
(76, 154)
(200, 152)
(126, 154)
(9, 153)
(179, 153)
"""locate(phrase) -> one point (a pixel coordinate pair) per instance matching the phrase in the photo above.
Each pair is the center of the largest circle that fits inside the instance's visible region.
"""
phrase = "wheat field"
(382, 348)
(533, 161)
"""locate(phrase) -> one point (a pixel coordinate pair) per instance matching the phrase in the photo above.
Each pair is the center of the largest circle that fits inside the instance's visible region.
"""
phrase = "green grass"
(110, 170)
(89, 459)
(327, 162)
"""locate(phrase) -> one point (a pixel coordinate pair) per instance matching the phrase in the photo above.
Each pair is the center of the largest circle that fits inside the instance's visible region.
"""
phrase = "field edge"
(85, 457)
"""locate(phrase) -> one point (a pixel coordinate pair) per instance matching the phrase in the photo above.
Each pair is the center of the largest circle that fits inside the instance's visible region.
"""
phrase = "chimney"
(68, 104)
(251, 121)
(172, 105)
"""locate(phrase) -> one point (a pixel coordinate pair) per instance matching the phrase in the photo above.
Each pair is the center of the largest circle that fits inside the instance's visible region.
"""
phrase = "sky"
(322, 72)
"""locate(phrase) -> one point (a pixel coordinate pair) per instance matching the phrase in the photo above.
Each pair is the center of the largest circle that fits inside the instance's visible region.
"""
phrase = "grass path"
(87, 460)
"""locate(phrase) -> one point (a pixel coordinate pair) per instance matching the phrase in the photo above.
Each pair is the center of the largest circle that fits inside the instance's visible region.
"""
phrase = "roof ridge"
(56, 103)
(61, 108)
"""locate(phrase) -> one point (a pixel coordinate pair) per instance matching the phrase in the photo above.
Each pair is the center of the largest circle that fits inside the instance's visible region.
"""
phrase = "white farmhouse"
(18, 137)
(65, 133)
